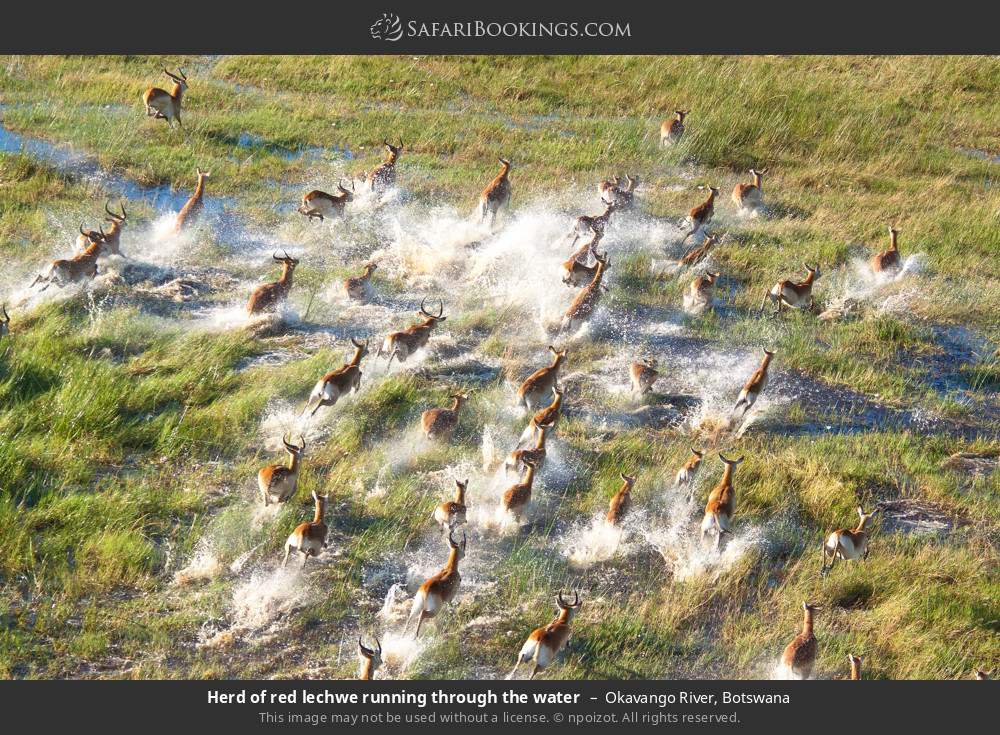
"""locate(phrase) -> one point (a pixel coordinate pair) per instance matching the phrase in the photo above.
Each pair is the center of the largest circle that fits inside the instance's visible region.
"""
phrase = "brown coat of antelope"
(496, 195)
(545, 643)
(671, 131)
(269, 295)
(621, 501)
(855, 662)
(163, 105)
(112, 237)
(519, 458)
(575, 270)
(586, 224)
(800, 655)
(792, 294)
(750, 197)
(440, 589)
(79, 268)
(440, 423)
(686, 474)
(755, 385)
(309, 539)
(537, 386)
(319, 205)
(587, 300)
(338, 383)
(548, 416)
(888, 260)
(358, 287)
(696, 254)
(383, 177)
(612, 192)
(452, 513)
(643, 375)
(195, 204)
(721, 503)
(517, 497)
(845, 543)
(371, 659)
(278, 482)
(401, 345)
(701, 215)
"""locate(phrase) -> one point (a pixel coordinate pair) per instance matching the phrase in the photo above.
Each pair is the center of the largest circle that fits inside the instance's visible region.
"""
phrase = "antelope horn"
(275, 255)
(6, 316)
(560, 601)
(183, 75)
(364, 649)
(82, 231)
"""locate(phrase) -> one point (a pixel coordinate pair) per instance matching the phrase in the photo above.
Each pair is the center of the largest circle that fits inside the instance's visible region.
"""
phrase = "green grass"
(129, 441)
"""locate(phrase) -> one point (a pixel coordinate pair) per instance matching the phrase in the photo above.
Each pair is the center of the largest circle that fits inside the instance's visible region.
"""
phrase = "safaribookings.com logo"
(390, 28)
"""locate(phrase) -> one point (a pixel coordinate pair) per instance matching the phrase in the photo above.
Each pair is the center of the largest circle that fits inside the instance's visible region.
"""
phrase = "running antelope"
(451, 513)
(383, 177)
(401, 345)
(587, 300)
(621, 501)
(544, 644)
(537, 386)
(359, 287)
(112, 237)
(547, 417)
(701, 215)
(613, 193)
(195, 204)
(496, 195)
(847, 544)
(800, 654)
(337, 383)
(685, 475)
(888, 260)
(5, 322)
(309, 539)
(608, 189)
(754, 386)
(268, 295)
(278, 482)
(700, 293)
(440, 423)
(319, 205)
(78, 268)
(371, 659)
(440, 589)
(790, 294)
(855, 662)
(518, 459)
(696, 254)
(721, 503)
(671, 131)
(750, 197)
(163, 105)
(576, 272)
(644, 375)
(983, 675)
(517, 497)
(586, 224)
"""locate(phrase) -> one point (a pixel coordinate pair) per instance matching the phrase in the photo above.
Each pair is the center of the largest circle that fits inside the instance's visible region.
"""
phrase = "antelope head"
(286, 260)
(180, 79)
(431, 319)
(371, 657)
(569, 609)
(295, 450)
(681, 114)
(115, 218)
(393, 150)
(458, 549)
(865, 518)
(348, 195)
(361, 349)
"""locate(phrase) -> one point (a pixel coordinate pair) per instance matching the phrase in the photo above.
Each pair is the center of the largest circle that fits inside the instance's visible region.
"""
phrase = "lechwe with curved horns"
(4, 322)
(701, 215)
(440, 589)
(696, 254)
(359, 287)
(112, 236)
(518, 459)
(800, 655)
(792, 294)
(278, 482)
(401, 345)
(671, 131)
(845, 543)
(79, 268)
(452, 513)
(383, 177)
(163, 105)
(537, 386)
(721, 503)
(586, 301)
(576, 272)
(545, 643)
(621, 196)
(700, 293)
(855, 662)
(621, 501)
(585, 224)
(888, 260)
(686, 474)
(309, 539)
(440, 423)
(643, 375)
(195, 204)
(270, 295)
(755, 385)
(517, 497)
(496, 195)
(338, 383)
(749, 198)
(319, 205)
(371, 659)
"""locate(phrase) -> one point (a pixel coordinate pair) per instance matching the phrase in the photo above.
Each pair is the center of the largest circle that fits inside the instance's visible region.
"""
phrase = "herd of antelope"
(540, 393)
